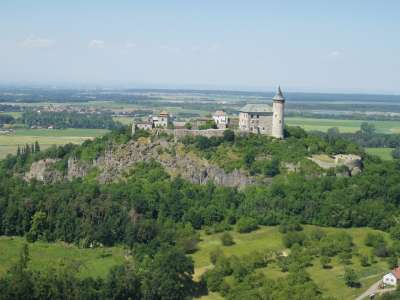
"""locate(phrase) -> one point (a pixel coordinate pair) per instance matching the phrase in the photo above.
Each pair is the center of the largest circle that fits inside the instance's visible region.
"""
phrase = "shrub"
(214, 280)
(215, 255)
(292, 238)
(351, 278)
(364, 262)
(392, 262)
(374, 239)
(246, 224)
(227, 239)
(290, 226)
(325, 261)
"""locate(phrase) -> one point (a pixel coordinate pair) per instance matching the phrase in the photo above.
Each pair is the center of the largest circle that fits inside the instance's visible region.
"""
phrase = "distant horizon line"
(194, 87)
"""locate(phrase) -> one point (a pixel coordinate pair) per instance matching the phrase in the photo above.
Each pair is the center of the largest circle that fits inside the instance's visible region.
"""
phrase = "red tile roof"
(396, 272)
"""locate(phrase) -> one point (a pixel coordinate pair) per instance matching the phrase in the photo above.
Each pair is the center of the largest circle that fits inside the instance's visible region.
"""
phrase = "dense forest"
(157, 216)
(68, 120)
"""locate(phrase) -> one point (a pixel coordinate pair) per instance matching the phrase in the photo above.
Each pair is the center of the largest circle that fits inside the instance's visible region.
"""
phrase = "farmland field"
(45, 137)
(343, 125)
(383, 153)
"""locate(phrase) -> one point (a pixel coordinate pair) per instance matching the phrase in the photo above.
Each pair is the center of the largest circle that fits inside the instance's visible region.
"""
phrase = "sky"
(320, 46)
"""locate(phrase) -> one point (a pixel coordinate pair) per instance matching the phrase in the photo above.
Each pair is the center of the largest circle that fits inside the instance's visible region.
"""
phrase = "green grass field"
(46, 138)
(14, 114)
(269, 238)
(383, 153)
(95, 262)
(343, 125)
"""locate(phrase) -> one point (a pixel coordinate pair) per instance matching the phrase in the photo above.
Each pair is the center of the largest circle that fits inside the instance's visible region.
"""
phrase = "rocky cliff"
(118, 160)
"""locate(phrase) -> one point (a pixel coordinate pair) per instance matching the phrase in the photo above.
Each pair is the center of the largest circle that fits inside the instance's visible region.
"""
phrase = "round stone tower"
(278, 107)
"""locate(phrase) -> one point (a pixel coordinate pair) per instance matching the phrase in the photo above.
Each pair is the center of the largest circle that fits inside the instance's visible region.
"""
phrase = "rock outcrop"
(115, 162)
(352, 163)
(172, 157)
(43, 170)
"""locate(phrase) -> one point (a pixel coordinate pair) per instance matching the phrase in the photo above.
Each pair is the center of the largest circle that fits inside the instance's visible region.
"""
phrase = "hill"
(157, 197)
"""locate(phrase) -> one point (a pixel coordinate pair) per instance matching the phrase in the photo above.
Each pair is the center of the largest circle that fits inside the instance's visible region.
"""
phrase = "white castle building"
(261, 118)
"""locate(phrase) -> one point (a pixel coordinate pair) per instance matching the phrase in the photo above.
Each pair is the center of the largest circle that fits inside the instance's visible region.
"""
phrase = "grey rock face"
(43, 170)
(114, 163)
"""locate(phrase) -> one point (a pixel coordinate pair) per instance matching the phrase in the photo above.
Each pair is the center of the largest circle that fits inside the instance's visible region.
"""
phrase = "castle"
(253, 118)
(261, 118)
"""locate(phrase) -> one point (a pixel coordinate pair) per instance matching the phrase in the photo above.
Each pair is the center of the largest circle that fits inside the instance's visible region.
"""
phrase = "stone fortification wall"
(178, 133)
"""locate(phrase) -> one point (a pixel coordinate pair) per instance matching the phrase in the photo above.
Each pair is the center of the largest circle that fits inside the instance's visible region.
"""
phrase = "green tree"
(367, 128)
(227, 239)
(396, 153)
(246, 224)
(168, 275)
(123, 283)
(229, 135)
(351, 278)
(38, 226)
(393, 262)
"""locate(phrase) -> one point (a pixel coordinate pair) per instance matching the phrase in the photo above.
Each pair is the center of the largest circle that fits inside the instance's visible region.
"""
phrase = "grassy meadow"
(383, 153)
(45, 137)
(343, 125)
(269, 238)
(94, 262)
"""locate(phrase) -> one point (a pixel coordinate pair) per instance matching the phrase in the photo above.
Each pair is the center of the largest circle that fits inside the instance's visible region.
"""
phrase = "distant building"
(262, 119)
(144, 125)
(256, 118)
(163, 120)
(221, 119)
(392, 278)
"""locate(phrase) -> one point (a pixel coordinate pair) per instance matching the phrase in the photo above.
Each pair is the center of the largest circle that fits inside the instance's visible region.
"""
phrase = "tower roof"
(279, 96)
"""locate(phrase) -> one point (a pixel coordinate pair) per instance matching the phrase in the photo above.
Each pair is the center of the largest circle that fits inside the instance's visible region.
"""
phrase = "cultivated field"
(343, 125)
(45, 137)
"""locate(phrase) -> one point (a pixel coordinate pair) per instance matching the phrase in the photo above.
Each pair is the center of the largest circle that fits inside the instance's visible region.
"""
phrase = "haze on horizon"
(319, 46)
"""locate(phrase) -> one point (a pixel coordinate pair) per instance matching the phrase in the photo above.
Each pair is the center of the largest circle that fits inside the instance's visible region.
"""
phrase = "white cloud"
(130, 45)
(171, 49)
(97, 44)
(35, 42)
(335, 53)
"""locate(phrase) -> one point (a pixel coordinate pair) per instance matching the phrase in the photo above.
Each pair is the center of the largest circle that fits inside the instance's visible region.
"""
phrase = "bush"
(246, 224)
(215, 255)
(229, 135)
(214, 280)
(364, 262)
(325, 261)
(227, 239)
(290, 226)
(292, 238)
(351, 278)
(374, 239)
(392, 262)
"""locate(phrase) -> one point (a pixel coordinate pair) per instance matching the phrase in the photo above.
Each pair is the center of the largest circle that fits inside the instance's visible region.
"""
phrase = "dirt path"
(374, 290)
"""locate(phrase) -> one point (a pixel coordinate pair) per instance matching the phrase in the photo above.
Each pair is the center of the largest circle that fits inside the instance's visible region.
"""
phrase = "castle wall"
(179, 133)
